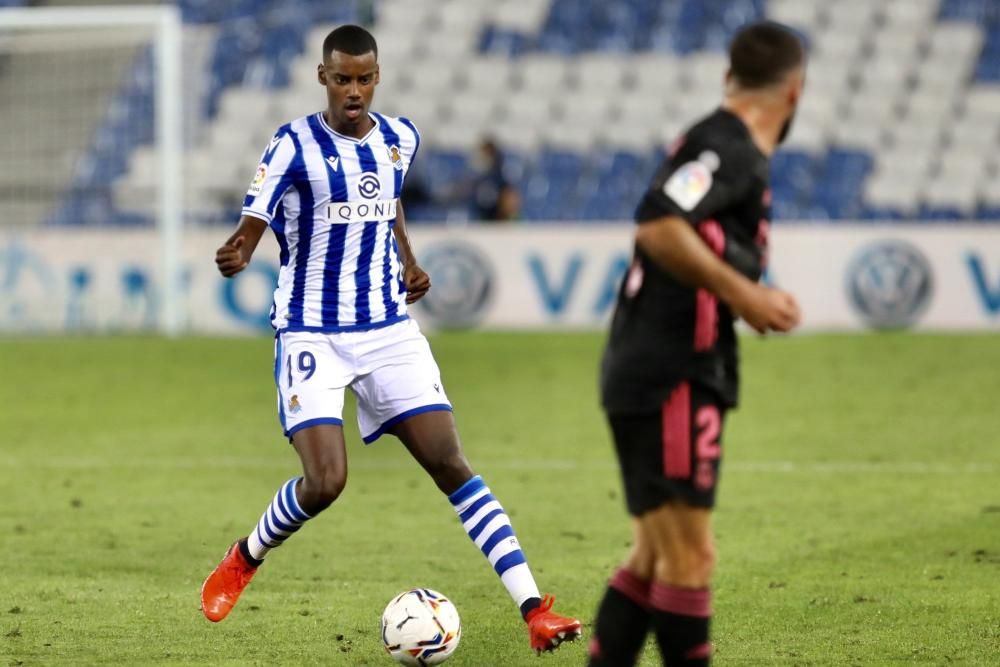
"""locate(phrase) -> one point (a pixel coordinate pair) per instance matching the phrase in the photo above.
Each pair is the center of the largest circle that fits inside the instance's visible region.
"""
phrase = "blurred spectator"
(493, 197)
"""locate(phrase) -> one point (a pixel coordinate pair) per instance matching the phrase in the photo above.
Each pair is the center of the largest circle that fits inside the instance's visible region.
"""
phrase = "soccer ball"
(420, 627)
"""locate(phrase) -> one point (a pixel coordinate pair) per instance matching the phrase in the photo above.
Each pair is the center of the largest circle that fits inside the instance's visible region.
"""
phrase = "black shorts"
(672, 454)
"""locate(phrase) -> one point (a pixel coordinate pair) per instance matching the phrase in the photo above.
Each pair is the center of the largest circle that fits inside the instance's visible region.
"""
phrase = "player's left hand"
(417, 283)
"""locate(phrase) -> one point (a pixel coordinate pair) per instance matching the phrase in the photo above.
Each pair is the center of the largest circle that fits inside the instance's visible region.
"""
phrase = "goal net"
(86, 95)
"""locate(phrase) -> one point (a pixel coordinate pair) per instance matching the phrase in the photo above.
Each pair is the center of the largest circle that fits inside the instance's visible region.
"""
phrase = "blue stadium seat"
(988, 212)
(793, 176)
(560, 163)
(882, 213)
(497, 41)
(785, 208)
(842, 175)
(443, 172)
(426, 212)
(577, 26)
(977, 11)
(941, 214)
(988, 67)
(599, 206)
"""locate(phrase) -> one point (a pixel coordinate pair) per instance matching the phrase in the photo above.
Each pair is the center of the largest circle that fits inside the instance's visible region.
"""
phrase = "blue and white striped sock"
(280, 520)
(489, 528)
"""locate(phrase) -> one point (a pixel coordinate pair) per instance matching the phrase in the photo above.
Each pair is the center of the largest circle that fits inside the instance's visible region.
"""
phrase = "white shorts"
(391, 371)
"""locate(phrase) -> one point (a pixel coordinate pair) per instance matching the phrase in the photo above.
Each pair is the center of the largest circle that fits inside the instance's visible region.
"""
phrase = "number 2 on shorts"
(707, 449)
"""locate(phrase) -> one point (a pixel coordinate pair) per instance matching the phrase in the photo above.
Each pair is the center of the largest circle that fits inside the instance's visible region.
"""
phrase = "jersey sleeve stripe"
(391, 139)
(295, 165)
(282, 159)
(416, 135)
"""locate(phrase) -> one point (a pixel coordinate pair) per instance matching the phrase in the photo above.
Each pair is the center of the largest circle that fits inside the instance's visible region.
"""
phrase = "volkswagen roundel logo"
(890, 283)
(462, 284)
(369, 186)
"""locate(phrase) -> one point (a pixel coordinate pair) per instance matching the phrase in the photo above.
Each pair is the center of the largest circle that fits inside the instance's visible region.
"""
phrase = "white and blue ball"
(420, 627)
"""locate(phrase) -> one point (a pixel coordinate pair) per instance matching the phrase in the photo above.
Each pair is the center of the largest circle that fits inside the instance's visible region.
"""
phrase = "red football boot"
(548, 629)
(222, 588)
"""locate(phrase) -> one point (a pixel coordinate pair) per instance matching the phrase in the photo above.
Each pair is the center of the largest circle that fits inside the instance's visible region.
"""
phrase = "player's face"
(350, 85)
(795, 86)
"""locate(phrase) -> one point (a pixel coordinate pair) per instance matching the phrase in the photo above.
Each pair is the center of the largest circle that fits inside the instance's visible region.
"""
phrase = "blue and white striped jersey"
(331, 202)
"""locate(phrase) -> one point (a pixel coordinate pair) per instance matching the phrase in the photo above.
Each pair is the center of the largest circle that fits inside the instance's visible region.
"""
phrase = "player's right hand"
(229, 258)
(767, 309)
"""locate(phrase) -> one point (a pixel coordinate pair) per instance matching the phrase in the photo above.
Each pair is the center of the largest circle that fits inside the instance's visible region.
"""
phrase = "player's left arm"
(416, 279)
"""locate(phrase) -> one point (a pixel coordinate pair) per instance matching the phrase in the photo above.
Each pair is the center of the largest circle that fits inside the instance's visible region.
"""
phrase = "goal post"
(163, 24)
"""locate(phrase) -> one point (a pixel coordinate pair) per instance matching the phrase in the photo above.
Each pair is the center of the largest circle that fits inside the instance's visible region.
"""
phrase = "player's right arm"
(695, 184)
(275, 174)
(672, 243)
(235, 253)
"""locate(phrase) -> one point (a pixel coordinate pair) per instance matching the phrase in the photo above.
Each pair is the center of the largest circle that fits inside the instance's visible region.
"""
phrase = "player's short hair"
(763, 53)
(350, 39)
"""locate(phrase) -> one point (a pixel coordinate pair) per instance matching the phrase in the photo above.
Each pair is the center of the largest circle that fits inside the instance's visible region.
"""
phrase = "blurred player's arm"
(235, 253)
(416, 279)
(672, 242)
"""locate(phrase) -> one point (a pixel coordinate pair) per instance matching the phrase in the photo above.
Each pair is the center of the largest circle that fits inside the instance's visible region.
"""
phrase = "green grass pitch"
(858, 519)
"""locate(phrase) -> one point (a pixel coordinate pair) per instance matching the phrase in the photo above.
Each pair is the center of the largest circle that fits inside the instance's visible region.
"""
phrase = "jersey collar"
(362, 140)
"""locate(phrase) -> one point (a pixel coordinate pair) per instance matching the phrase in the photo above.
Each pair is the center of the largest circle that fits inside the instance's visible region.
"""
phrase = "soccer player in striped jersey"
(328, 186)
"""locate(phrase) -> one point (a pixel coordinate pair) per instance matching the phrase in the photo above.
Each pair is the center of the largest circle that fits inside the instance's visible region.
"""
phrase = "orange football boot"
(548, 629)
(222, 588)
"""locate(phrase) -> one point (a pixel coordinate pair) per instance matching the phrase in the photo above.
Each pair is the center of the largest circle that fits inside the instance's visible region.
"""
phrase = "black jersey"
(663, 330)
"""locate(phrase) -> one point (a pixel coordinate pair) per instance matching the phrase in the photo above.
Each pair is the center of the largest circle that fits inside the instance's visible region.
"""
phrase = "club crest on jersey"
(294, 406)
(687, 186)
(369, 186)
(397, 159)
(258, 180)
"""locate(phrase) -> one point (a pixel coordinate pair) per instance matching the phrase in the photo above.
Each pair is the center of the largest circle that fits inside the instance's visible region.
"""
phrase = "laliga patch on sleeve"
(258, 180)
(689, 184)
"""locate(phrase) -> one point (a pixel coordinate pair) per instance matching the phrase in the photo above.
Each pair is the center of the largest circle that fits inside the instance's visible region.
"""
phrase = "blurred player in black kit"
(670, 368)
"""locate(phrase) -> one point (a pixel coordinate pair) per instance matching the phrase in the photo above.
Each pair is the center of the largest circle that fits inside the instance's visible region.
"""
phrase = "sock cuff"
(466, 491)
(695, 602)
(291, 501)
(244, 547)
(631, 586)
(702, 651)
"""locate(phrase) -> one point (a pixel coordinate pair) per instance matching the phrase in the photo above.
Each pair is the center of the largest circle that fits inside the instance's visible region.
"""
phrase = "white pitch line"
(288, 461)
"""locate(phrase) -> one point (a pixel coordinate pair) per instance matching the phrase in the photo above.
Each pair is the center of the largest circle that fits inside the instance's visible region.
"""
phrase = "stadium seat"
(902, 80)
(542, 74)
(481, 76)
(469, 110)
(909, 14)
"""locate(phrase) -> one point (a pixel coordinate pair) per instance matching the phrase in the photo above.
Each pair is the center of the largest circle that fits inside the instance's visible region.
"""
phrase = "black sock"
(245, 550)
(528, 605)
(681, 618)
(622, 622)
